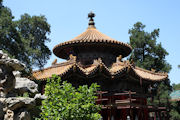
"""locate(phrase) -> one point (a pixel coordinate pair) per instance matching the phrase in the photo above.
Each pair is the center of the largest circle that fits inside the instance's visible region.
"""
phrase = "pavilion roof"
(92, 38)
(116, 70)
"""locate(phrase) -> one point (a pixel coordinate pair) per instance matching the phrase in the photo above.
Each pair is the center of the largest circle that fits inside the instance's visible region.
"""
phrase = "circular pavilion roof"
(92, 37)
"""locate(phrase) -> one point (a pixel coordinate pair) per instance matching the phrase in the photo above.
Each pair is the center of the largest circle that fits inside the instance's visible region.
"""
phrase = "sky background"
(68, 18)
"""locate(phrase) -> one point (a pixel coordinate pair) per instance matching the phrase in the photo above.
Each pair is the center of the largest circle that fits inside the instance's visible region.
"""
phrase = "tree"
(24, 39)
(149, 54)
(65, 102)
(176, 86)
(175, 112)
(146, 52)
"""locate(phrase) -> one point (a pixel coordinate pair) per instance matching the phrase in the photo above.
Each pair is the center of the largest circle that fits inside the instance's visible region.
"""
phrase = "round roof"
(91, 37)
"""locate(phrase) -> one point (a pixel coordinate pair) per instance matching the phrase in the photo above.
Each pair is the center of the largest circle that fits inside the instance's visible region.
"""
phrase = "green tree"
(175, 111)
(175, 105)
(176, 86)
(149, 54)
(24, 39)
(146, 52)
(65, 102)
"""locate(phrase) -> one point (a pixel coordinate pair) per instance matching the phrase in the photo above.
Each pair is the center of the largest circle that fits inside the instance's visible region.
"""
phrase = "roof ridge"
(114, 70)
(56, 65)
(155, 73)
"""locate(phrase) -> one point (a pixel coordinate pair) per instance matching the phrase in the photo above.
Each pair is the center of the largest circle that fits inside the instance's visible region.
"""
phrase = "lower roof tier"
(116, 70)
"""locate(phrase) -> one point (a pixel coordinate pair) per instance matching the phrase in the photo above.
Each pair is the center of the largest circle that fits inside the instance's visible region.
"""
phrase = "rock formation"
(12, 85)
(24, 85)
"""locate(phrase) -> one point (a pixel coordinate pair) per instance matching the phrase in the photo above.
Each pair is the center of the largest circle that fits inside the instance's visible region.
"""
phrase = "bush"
(65, 102)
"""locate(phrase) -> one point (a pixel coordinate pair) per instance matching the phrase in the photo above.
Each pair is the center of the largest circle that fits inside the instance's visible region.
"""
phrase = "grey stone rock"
(25, 85)
(14, 103)
(22, 104)
(11, 85)
(22, 115)
(14, 63)
(7, 80)
(17, 73)
(1, 110)
(9, 115)
(3, 55)
(38, 98)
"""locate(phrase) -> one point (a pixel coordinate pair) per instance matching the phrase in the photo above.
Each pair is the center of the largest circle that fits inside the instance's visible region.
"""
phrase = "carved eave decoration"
(117, 69)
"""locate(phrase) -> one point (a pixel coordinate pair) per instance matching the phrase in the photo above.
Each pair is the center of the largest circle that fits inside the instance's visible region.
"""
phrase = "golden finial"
(91, 15)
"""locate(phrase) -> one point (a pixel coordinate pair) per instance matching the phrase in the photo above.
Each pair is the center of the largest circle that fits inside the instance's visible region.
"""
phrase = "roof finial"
(91, 20)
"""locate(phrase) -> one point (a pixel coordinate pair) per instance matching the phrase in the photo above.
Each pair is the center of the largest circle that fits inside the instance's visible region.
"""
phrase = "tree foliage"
(149, 54)
(24, 39)
(175, 111)
(65, 102)
(175, 105)
(146, 52)
(176, 86)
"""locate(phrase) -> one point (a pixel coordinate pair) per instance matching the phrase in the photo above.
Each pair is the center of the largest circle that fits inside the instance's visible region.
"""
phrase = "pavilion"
(95, 57)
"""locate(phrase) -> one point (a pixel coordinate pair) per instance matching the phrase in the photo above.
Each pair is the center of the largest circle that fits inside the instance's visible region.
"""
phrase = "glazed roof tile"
(92, 70)
(149, 75)
(91, 36)
(117, 67)
(48, 72)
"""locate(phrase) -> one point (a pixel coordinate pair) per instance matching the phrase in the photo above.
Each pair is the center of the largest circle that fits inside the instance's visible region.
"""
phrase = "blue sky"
(68, 18)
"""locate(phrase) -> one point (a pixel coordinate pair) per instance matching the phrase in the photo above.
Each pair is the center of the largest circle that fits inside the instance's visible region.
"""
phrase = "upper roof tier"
(91, 38)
